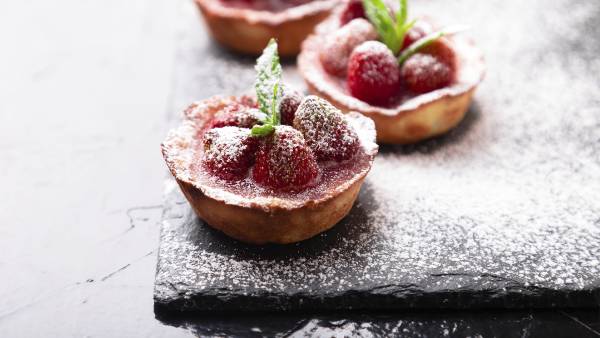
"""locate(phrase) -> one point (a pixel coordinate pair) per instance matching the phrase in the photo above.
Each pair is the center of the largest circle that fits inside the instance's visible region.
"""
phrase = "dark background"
(87, 92)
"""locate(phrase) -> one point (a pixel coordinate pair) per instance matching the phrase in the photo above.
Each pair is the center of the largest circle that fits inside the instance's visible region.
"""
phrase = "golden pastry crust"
(416, 119)
(261, 219)
(248, 31)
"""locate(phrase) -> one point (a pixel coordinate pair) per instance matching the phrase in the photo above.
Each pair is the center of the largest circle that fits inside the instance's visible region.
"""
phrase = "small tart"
(413, 118)
(247, 26)
(249, 212)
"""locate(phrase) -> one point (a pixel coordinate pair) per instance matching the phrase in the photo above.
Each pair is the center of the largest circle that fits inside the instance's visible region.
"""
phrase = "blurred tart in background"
(413, 80)
(246, 26)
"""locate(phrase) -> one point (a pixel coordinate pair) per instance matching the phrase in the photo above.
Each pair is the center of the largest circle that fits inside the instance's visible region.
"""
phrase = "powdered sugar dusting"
(285, 162)
(237, 116)
(339, 44)
(228, 151)
(326, 129)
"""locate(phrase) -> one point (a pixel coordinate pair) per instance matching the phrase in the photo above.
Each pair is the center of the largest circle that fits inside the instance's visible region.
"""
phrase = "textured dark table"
(82, 200)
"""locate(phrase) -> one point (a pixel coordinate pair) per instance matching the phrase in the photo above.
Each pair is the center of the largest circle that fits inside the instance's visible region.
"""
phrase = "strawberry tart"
(414, 81)
(275, 168)
(246, 26)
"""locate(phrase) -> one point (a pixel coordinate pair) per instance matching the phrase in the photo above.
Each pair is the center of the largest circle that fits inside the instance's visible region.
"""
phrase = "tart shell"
(282, 226)
(415, 119)
(258, 220)
(248, 31)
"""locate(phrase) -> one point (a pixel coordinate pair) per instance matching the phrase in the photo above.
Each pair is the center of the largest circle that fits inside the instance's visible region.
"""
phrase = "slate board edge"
(169, 298)
(398, 298)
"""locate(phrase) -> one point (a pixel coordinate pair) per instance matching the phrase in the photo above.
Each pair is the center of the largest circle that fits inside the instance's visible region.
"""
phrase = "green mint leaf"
(425, 41)
(380, 17)
(268, 83)
(403, 30)
(262, 130)
(418, 45)
(401, 17)
(276, 101)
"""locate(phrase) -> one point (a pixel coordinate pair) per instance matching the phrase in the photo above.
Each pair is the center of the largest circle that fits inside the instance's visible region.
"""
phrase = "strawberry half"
(373, 73)
(354, 9)
(419, 30)
(326, 130)
(229, 152)
(237, 116)
(434, 67)
(338, 45)
(284, 162)
(289, 104)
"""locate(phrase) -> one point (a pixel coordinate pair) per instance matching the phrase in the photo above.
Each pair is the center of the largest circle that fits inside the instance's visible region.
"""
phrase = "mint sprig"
(392, 30)
(268, 89)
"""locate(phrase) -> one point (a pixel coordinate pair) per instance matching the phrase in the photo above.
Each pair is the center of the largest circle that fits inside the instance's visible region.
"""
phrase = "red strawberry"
(289, 104)
(338, 45)
(229, 152)
(373, 73)
(434, 67)
(237, 116)
(354, 9)
(442, 49)
(419, 30)
(284, 162)
(326, 130)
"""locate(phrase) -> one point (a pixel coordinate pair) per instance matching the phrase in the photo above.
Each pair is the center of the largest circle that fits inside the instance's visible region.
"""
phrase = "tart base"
(429, 120)
(280, 226)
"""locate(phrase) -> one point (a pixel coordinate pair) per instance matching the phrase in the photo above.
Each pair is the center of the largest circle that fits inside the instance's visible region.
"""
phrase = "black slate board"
(503, 212)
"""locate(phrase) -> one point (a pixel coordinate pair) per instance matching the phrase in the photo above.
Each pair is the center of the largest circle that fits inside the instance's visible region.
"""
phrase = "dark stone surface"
(500, 213)
(82, 177)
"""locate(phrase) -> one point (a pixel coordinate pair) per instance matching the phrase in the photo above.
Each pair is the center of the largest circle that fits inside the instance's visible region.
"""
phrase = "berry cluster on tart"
(415, 82)
(275, 168)
(246, 26)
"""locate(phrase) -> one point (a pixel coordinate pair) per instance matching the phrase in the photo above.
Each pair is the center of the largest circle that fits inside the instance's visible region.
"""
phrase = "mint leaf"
(268, 88)
(262, 130)
(427, 40)
(380, 17)
(418, 45)
(401, 15)
(402, 30)
(391, 29)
